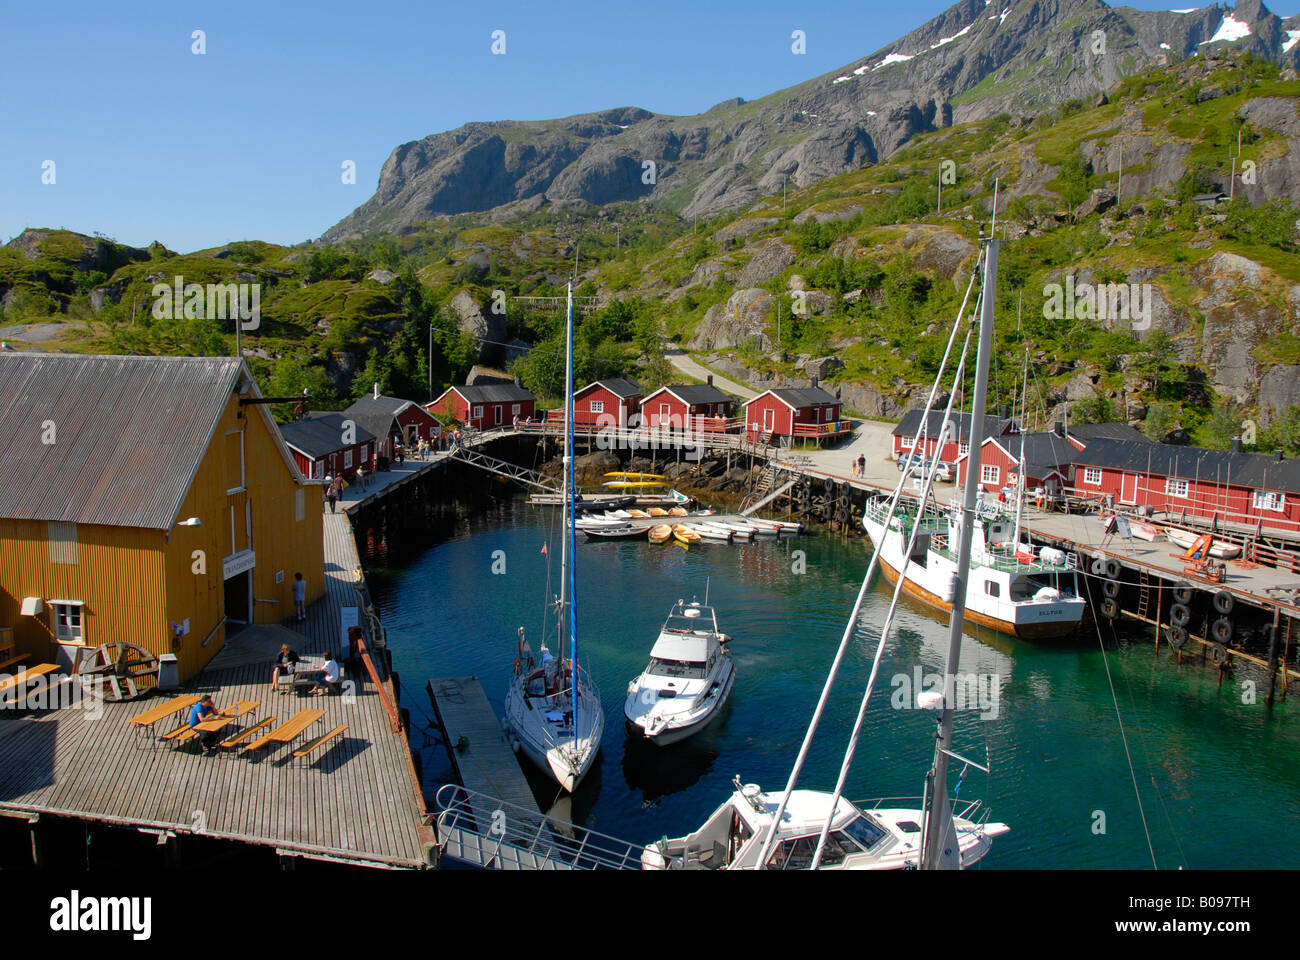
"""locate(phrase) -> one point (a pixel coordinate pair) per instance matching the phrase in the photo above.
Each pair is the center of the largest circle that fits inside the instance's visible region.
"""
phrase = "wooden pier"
(483, 759)
(355, 801)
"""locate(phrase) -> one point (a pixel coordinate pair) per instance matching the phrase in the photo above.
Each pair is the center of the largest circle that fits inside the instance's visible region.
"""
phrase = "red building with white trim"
(605, 403)
(321, 448)
(393, 420)
(694, 407)
(1212, 485)
(958, 443)
(486, 405)
(788, 412)
(1046, 462)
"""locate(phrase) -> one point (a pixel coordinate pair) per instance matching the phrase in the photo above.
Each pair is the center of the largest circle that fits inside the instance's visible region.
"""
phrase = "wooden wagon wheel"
(120, 671)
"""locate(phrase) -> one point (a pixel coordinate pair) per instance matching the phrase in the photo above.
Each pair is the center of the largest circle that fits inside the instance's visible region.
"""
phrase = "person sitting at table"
(329, 677)
(205, 710)
(284, 664)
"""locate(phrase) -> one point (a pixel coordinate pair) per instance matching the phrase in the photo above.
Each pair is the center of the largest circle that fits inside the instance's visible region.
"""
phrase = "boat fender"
(1112, 568)
(518, 666)
(1098, 567)
(949, 588)
(1109, 588)
(1179, 614)
(1177, 637)
(1219, 653)
(1221, 630)
(1109, 609)
(1183, 592)
(1223, 602)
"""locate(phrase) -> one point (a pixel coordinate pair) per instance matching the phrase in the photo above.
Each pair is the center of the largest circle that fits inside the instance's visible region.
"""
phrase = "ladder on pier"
(490, 833)
(1144, 594)
(503, 468)
(769, 498)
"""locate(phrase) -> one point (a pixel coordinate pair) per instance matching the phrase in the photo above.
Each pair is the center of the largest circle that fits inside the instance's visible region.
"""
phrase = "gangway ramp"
(486, 832)
(483, 759)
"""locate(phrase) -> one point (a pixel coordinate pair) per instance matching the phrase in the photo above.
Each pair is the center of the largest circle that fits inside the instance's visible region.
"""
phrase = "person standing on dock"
(361, 477)
(862, 465)
(331, 493)
(300, 596)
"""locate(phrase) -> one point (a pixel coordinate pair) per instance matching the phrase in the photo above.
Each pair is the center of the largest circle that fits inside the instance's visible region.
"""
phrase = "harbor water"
(1215, 773)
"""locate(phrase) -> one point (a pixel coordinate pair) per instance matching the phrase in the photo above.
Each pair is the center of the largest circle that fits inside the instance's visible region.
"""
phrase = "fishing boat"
(686, 535)
(812, 829)
(1186, 539)
(660, 533)
(553, 714)
(688, 679)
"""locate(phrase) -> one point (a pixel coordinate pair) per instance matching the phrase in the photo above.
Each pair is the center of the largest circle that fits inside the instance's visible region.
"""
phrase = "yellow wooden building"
(145, 499)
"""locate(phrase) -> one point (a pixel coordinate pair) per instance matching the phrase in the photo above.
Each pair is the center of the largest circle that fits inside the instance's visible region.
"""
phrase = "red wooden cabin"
(486, 405)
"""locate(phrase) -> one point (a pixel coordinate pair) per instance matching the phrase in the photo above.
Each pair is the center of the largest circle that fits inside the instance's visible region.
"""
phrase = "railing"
(502, 823)
(823, 429)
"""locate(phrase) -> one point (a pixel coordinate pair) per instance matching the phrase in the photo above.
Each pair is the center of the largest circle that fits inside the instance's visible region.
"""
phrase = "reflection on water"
(1054, 746)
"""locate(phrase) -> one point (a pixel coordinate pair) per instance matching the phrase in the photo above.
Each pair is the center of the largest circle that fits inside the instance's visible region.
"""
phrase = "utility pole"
(939, 209)
(1119, 184)
(431, 361)
(1232, 184)
(618, 244)
(784, 180)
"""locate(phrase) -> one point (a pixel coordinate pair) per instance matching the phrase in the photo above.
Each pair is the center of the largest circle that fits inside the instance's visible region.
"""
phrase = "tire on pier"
(1180, 614)
(1109, 589)
(1110, 609)
(1112, 568)
(1098, 567)
(1219, 653)
(1183, 592)
(1221, 630)
(1177, 636)
(1223, 602)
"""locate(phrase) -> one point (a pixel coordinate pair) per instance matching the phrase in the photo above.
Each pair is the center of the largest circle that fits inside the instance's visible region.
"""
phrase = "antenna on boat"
(706, 590)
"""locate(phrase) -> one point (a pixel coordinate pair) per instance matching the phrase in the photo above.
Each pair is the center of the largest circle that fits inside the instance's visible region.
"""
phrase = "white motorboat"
(596, 523)
(689, 677)
(552, 711)
(711, 531)
(862, 836)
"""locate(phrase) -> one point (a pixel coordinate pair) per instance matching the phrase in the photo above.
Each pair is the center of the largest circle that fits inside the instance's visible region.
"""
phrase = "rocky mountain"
(978, 59)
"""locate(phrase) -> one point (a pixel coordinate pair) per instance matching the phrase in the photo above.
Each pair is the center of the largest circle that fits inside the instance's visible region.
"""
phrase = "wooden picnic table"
(228, 716)
(165, 710)
(289, 731)
(30, 673)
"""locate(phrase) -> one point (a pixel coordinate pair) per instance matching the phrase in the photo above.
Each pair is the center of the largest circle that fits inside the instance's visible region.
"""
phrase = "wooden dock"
(354, 802)
(485, 764)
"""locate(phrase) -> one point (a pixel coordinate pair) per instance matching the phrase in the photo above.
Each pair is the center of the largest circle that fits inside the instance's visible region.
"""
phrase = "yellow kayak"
(660, 533)
(624, 475)
(630, 484)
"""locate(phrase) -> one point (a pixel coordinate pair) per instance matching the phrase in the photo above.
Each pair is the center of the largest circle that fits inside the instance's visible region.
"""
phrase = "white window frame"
(1092, 476)
(963, 447)
(347, 458)
(514, 410)
(365, 451)
(769, 420)
(61, 616)
(476, 413)
(1176, 488)
(907, 443)
(990, 473)
(496, 414)
(243, 475)
(1270, 500)
(596, 406)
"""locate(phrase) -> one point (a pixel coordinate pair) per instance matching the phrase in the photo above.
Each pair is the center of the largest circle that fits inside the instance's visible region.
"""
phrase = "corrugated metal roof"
(322, 434)
(1110, 431)
(993, 426)
(1193, 463)
(129, 434)
(619, 387)
(494, 393)
(693, 393)
(378, 414)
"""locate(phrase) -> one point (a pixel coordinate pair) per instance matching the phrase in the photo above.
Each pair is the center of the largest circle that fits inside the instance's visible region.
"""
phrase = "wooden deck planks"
(488, 766)
(355, 800)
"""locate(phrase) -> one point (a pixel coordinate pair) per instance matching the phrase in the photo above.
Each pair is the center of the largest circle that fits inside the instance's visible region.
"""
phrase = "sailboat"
(553, 714)
(810, 829)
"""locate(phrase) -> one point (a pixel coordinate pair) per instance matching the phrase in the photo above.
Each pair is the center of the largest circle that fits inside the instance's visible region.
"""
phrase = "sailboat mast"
(940, 840)
(570, 531)
(1020, 486)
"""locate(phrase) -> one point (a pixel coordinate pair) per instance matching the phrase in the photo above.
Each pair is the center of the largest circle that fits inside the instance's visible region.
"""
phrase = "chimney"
(376, 389)
(1003, 412)
(710, 379)
(1278, 454)
(1236, 445)
(814, 383)
(1058, 428)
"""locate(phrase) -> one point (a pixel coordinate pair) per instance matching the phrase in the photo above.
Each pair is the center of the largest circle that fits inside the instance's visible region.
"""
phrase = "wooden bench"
(243, 735)
(308, 748)
(179, 735)
(10, 661)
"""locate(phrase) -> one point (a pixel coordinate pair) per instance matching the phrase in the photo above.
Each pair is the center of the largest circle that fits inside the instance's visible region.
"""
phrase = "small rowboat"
(657, 512)
(686, 535)
(712, 531)
(638, 514)
(625, 532)
(677, 512)
(661, 533)
(1185, 538)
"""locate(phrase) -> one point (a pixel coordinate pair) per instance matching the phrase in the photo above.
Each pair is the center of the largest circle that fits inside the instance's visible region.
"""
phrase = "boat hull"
(671, 735)
(1049, 630)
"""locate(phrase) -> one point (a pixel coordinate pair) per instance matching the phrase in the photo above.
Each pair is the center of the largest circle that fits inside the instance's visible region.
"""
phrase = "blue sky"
(152, 142)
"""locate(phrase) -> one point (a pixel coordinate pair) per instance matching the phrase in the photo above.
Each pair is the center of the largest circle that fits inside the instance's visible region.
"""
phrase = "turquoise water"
(1216, 775)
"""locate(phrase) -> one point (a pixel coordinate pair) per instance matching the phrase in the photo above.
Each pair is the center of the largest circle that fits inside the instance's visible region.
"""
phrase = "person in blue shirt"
(205, 709)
